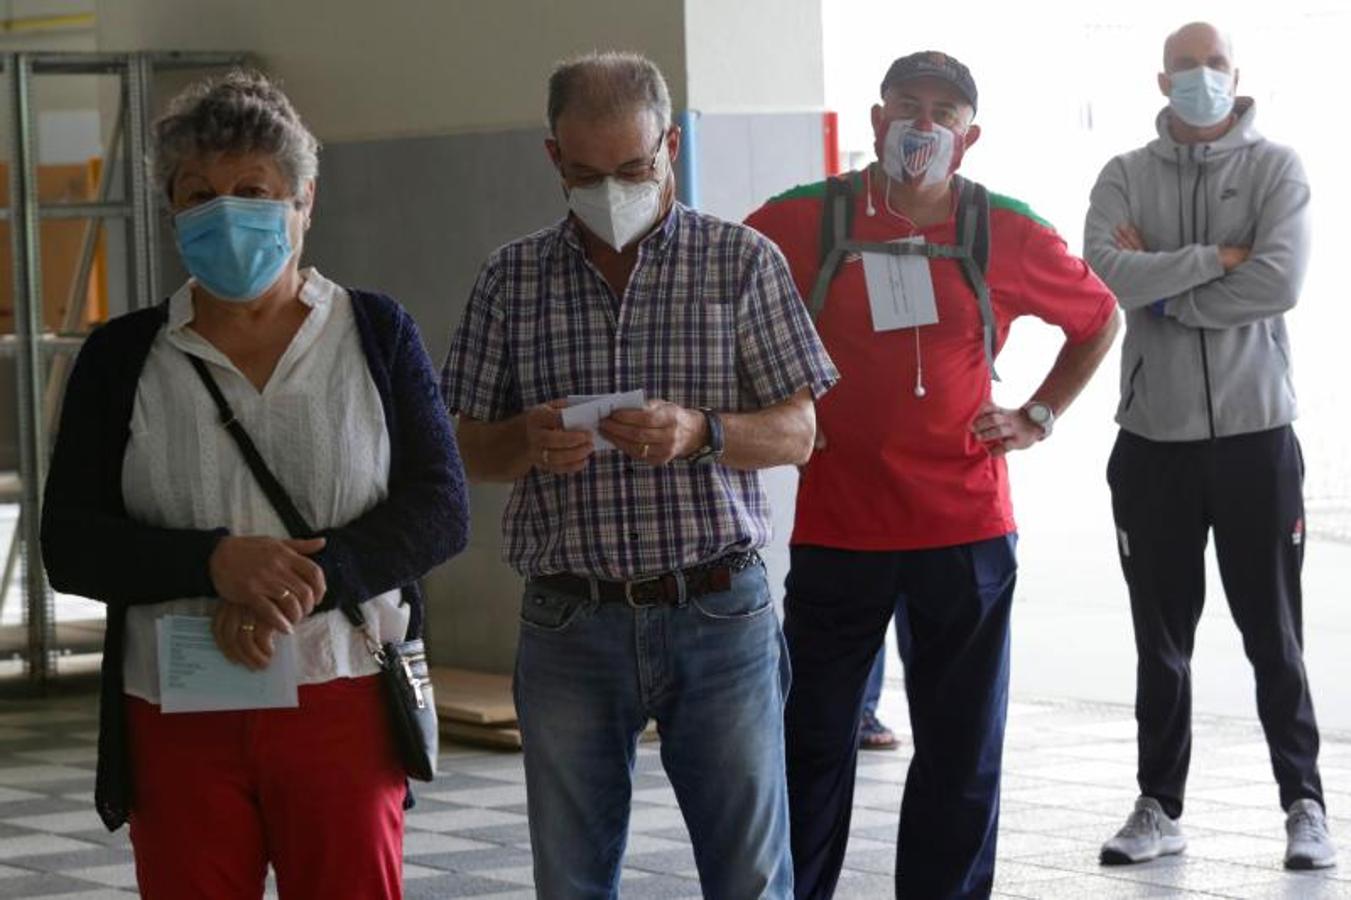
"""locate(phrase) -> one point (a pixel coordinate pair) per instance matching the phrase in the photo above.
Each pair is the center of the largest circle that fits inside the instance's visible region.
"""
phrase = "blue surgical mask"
(235, 247)
(1202, 96)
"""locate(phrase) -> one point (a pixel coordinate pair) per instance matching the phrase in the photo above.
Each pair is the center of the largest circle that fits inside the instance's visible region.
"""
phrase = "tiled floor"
(1068, 784)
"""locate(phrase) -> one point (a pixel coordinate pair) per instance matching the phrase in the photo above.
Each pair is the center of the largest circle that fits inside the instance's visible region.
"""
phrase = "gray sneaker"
(1308, 845)
(1147, 834)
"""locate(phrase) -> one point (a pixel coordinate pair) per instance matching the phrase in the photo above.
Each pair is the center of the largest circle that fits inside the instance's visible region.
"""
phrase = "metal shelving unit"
(43, 357)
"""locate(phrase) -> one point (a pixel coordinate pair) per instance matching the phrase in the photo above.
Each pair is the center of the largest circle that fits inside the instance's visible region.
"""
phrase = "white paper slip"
(900, 289)
(194, 676)
(584, 412)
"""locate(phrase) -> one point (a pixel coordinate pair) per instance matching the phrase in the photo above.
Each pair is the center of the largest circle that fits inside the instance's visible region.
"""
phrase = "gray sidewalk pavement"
(1068, 785)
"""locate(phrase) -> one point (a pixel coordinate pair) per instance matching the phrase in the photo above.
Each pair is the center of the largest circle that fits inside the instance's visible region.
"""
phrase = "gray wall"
(358, 69)
(415, 217)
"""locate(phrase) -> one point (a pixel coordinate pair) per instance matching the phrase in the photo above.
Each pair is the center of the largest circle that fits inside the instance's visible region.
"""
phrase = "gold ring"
(247, 626)
(646, 447)
(544, 457)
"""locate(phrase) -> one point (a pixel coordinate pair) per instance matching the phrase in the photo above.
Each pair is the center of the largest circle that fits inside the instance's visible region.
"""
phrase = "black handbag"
(403, 665)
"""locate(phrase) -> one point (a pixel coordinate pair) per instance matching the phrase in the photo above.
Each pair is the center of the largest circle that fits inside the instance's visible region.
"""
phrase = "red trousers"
(315, 791)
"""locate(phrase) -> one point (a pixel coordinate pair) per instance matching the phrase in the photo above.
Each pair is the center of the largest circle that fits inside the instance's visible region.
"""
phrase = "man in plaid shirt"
(645, 597)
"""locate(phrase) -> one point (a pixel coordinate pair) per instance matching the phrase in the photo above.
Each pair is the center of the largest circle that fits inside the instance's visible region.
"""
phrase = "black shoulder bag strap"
(281, 501)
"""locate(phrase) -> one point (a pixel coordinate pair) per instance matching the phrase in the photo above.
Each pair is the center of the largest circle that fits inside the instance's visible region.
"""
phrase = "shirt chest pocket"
(688, 353)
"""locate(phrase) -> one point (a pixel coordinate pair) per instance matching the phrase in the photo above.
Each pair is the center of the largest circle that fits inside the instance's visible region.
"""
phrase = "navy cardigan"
(92, 548)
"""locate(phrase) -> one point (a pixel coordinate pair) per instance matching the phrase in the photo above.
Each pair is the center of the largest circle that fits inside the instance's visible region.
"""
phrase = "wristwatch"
(1041, 415)
(711, 451)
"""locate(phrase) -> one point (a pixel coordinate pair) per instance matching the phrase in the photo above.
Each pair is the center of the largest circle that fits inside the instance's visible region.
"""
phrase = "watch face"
(1038, 413)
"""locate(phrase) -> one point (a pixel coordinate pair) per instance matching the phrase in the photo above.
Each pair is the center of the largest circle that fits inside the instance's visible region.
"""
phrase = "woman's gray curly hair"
(242, 111)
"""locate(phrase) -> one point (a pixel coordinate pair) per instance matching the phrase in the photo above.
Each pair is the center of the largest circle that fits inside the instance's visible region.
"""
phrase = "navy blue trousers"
(1167, 498)
(957, 603)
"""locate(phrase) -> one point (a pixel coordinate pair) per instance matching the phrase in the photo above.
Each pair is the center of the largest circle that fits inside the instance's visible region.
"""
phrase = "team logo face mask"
(920, 154)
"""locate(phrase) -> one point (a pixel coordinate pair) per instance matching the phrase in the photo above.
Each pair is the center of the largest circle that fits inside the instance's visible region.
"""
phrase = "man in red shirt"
(906, 500)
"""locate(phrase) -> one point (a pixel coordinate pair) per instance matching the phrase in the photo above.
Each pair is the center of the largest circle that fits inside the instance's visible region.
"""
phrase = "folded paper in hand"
(585, 411)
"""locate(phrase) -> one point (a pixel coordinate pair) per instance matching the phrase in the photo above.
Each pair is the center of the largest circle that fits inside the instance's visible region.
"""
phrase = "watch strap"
(712, 449)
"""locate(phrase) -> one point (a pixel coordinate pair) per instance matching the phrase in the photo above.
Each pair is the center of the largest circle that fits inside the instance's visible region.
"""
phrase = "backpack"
(973, 228)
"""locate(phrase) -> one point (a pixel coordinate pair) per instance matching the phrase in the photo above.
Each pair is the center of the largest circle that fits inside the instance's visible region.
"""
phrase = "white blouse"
(320, 426)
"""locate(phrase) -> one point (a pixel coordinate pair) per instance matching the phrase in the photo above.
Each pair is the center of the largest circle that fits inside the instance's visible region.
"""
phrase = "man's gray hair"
(239, 112)
(602, 85)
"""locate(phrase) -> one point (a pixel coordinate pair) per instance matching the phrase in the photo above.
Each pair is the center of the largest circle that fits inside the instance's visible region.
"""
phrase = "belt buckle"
(628, 592)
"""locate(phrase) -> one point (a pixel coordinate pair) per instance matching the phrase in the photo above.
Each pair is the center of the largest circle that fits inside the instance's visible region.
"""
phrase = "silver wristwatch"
(1041, 415)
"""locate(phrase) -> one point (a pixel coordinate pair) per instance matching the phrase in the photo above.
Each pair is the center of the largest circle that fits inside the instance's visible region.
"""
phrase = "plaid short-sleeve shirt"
(710, 318)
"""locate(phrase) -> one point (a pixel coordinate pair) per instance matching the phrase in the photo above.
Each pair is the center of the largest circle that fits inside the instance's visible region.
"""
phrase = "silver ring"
(646, 447)
(286, 593)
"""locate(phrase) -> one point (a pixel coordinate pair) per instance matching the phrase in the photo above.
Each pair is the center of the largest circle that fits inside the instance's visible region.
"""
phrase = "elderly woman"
(152, 508)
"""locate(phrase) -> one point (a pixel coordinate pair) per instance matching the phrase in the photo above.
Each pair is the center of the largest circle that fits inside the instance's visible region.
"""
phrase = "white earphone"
(920, 390)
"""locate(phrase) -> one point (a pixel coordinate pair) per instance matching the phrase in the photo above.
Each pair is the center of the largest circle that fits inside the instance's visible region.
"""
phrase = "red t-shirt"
(900, 472)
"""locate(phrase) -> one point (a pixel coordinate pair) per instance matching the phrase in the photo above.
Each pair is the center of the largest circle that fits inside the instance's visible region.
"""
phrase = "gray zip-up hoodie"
(1215, 361)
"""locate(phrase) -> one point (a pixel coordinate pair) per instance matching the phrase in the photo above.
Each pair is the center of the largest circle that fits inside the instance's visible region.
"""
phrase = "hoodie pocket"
(1130, 383)
(1287, 369)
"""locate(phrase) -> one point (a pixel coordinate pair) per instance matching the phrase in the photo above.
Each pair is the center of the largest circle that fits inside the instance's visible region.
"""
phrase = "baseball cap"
(932, 64)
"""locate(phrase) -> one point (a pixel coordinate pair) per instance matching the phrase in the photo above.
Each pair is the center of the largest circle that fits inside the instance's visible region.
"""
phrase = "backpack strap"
(837, 219)
(972, 253)
(973, 230)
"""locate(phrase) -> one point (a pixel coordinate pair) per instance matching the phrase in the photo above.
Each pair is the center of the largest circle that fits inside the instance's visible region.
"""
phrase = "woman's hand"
(273, 581)
(240, 638)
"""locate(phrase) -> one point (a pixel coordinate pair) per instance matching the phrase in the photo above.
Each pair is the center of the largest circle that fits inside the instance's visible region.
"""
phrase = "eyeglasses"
(634, 172)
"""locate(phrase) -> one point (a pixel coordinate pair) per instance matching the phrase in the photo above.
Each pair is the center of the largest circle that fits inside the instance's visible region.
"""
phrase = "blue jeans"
(713, 672)
(955, 649)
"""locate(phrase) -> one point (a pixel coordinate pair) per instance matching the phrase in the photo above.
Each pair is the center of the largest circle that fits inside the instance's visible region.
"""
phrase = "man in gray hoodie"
(1203, 235)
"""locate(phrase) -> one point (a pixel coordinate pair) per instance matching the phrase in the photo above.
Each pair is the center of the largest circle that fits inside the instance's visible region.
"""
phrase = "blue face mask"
(235, 247)
(1202, 96)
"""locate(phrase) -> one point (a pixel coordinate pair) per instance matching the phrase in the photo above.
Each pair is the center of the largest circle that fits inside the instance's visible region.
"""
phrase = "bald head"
(1198, 44)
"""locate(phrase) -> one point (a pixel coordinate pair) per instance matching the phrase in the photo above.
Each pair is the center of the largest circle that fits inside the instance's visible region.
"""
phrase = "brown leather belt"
(659, 590)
